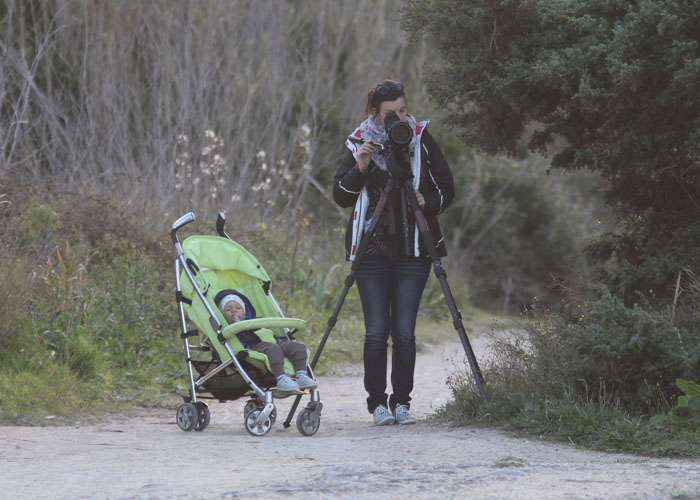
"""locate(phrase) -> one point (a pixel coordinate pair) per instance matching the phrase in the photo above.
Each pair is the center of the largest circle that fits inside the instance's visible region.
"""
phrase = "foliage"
(86, 306)
(176, 108)
(515, 229)
(686, 414)
(631, 354)
(593, 373)
(615, 80)
(604, 427)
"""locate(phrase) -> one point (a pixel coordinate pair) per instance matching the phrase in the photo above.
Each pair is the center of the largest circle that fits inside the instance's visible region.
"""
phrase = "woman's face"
(398, 106)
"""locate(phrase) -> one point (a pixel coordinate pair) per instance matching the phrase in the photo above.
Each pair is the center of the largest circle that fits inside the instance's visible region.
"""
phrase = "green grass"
(85, 295)
(586, 424)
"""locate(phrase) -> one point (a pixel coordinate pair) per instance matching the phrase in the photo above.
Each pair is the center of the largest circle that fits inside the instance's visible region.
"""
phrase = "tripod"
(427, 237)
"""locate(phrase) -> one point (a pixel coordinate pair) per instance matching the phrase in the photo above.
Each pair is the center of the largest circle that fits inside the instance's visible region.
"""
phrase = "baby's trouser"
(276, 352)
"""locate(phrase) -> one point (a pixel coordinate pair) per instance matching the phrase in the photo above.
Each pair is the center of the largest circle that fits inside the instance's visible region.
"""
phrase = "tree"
(618, 80)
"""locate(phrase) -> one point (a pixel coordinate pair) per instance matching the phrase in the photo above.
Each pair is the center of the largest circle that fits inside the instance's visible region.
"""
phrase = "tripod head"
(398, 165)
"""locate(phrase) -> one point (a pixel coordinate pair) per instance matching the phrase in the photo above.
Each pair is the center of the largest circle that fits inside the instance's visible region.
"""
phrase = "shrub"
(85, 296)
(514, 228)
(13, 300)
(626, 353)
(593, 372)
(686, 414)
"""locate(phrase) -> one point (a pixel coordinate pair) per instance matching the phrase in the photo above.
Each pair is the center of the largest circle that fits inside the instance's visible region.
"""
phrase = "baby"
(236, 307)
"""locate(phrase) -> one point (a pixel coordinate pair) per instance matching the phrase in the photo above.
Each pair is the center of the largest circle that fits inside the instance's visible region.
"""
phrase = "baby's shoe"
(287, 384)
(305, 382)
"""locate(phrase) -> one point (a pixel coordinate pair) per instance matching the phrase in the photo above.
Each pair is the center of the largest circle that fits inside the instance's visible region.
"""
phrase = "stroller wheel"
(257, 429)
(202, 416)
(187, 416)
(307, 424)
(253, 405)
(250, 406)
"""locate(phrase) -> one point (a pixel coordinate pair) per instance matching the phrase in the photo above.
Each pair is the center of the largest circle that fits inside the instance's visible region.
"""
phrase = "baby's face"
(233, 312)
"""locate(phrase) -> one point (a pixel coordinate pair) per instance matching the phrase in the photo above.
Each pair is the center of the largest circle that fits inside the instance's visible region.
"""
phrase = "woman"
(394, 268)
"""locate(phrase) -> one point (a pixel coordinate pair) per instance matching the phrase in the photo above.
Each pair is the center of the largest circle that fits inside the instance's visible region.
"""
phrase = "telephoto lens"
(400, 133)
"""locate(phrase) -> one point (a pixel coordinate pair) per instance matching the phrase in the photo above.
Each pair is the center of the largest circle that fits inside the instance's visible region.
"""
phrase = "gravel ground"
(149, 457)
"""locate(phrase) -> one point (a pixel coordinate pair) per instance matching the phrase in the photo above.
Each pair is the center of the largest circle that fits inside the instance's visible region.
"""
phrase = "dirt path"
(148, 457)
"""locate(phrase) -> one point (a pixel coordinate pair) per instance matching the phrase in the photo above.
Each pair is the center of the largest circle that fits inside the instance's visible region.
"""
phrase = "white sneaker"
(402, 416)
(305, 382)
(287, 384)
(382, 416)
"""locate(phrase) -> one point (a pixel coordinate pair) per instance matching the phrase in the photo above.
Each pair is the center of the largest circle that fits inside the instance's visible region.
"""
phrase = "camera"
(400, 133)
(395, 148)
(400, 136)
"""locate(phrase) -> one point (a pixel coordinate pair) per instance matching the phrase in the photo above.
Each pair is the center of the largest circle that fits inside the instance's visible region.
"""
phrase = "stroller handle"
(182, 221)
(220, 223)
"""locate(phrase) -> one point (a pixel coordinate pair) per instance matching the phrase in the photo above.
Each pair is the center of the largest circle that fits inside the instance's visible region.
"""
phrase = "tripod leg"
(422, 227)
(349, 280)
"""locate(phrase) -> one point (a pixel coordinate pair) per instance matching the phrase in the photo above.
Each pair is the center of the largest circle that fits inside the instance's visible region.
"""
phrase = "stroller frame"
(229, 379)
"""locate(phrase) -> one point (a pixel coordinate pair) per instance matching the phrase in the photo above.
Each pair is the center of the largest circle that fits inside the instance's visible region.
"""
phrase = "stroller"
(225, 370)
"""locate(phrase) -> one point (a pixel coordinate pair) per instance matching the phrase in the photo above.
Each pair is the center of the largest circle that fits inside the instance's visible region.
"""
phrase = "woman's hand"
(364, 155)
(421, 200)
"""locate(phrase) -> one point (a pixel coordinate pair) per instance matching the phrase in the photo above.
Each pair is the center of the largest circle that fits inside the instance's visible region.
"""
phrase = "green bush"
(14, 290)
(583, 82)
(686, 414)
(594, 373)
(514, 229)
(623, 352)
(86, 301)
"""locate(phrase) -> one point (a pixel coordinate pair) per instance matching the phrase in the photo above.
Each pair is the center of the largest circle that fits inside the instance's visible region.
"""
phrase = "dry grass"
(179, 106)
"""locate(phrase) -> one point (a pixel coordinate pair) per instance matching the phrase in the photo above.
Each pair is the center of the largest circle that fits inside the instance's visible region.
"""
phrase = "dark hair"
(374, 99)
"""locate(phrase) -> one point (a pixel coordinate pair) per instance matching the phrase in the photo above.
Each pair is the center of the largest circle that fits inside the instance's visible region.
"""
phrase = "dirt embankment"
(149, 457)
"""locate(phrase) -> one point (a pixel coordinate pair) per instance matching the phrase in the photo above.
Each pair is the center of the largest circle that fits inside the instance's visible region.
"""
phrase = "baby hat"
(228, 298)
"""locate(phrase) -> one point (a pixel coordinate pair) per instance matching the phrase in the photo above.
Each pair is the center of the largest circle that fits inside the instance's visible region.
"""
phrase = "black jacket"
(436, 186)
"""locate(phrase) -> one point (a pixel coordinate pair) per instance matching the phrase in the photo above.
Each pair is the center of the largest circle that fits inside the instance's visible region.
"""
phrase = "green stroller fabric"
(218, 264)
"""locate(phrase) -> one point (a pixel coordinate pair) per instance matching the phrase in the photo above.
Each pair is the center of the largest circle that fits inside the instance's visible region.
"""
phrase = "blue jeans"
(390, 290)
